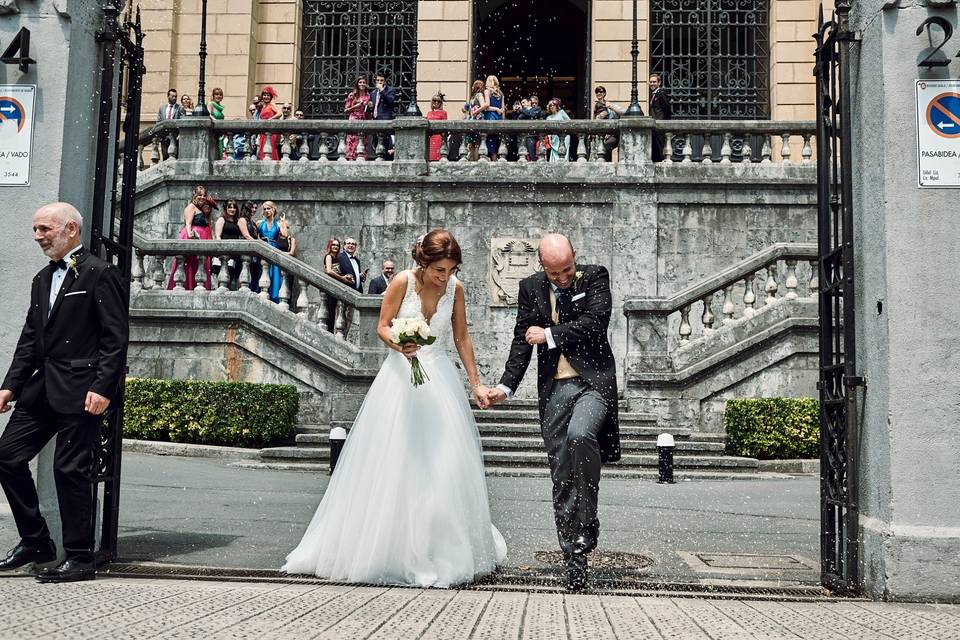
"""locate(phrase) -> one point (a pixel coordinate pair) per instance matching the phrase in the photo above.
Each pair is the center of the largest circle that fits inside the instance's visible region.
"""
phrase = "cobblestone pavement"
(118, 608)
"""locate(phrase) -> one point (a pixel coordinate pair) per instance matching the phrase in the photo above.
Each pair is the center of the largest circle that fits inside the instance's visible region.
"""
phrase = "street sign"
(938, 133)
(16, 133)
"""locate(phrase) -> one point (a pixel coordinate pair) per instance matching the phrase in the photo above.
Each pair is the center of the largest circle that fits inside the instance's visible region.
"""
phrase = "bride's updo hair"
(439, 244)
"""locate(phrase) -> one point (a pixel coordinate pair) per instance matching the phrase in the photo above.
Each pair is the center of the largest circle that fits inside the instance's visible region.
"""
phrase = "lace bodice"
(441, 325)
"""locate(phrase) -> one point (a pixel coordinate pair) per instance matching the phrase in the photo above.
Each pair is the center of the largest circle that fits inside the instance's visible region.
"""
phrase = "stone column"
(906, 241)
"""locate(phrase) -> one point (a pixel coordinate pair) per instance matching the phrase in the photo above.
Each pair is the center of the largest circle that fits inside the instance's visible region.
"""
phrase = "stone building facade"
(716, 57)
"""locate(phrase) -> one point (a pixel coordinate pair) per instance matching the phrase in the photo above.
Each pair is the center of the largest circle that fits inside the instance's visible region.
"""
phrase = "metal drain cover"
(601, 559)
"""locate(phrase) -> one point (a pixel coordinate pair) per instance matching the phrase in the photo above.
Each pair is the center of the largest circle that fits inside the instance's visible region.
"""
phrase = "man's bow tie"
(60, 264)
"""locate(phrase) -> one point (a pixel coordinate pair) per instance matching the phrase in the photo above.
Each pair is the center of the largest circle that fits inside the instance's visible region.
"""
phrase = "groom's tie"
(564, 305)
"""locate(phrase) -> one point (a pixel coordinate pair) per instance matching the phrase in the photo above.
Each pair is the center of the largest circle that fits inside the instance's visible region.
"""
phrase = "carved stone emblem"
(511, 260)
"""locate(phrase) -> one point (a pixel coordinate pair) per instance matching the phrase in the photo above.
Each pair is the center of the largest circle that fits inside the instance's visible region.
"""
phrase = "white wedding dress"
(407, 504)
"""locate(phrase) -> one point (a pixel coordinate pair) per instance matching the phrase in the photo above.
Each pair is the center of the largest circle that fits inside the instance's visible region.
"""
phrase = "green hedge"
(773, 428)
(236, 414)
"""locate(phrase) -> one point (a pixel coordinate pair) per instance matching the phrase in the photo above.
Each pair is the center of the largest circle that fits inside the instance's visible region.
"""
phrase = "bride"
(407, 504)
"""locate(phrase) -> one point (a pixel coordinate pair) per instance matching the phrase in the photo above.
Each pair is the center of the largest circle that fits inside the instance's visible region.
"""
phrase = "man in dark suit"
(172, 110)
(351, 270)
(379, 284)
(66, 370)
(659, 110)
(383, 100)
(564, 311)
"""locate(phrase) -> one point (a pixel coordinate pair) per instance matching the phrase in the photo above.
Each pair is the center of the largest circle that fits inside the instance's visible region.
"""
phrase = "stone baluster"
(726, 150)
(179, 275)
(785, 148)
(542, 151)
(791, 281)
(464, 148)
(267, 146)
(765, 151)
(484, 156)
(728, 305)
(324, 148)
(244, 279)
(136, 273)
(155, 151)
(444, 147)
(284, 293)
(687, 148)
(770, 288)
(159, 272)
(749, 297)
(708, 315)
(340, 328)
(746, 151)
(706, 153)
(303, 299)
(200, 279)
(322, 312)
(562, 149)
(597, 149)
(264, 280)
(685, 329)
(381, 150)
(172, 150)
(582, 148)
(223, 278)
(141, 165)
(807, 152)
(341, 153)
(668, 147)
(522, 149)
(814, 285)
(285, 148)
(502, 150)
(251, 146)
(303, 151)
(362, 148)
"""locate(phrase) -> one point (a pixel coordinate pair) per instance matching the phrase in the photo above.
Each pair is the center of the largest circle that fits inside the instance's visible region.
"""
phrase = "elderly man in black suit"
(659, 110)
(564, 312)
(379, 284)
(66, 370)
(355, 275)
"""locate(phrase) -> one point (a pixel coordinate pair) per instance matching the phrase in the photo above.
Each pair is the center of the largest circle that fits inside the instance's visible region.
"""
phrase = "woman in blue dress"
(492, 108)
(270, 232)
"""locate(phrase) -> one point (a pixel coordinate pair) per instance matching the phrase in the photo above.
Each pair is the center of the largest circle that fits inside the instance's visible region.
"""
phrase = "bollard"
(665, 446)
(338, 435)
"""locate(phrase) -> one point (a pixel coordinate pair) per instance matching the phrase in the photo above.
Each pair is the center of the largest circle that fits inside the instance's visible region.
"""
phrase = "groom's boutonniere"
(73, 266)
(577, 277)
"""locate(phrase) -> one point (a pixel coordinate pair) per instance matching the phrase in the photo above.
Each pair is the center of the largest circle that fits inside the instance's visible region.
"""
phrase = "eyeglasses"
(299, 114)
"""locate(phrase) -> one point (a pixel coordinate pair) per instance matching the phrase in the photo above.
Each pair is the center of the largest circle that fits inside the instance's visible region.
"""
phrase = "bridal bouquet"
(417, 331)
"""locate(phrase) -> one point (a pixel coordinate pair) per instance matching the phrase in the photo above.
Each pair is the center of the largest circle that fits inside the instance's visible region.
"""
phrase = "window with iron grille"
(713, 57)
(342, 40)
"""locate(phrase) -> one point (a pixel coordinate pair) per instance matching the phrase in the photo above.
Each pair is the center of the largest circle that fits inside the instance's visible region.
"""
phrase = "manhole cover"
(601, 559)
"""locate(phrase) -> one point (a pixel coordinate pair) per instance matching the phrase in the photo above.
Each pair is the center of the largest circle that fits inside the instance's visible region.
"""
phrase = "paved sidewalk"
(117, 608)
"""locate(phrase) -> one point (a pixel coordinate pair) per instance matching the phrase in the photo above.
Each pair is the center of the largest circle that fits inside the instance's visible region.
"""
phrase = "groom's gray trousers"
(572, 418)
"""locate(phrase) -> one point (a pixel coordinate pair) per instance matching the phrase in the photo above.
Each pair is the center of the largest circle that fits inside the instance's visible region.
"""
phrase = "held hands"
(481, 395)
(95, 403)
(495, 396)
(6, 397)
(536, 335)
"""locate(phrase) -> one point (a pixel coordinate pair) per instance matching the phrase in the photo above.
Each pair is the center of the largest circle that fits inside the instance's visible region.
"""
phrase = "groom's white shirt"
(550, 345)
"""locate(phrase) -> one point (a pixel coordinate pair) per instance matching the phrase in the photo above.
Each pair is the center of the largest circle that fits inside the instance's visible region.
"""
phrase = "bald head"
(56, 228)
(558, 259)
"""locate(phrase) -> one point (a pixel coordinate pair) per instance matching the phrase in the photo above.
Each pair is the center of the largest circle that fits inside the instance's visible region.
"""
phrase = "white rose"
(423, 329)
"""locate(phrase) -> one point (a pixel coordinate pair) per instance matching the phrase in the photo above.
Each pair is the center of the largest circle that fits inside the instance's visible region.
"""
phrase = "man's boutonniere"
(72, 265)
(577, 277)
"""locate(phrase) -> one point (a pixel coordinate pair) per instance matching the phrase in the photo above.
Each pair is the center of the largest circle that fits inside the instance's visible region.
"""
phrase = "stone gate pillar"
(907, 242)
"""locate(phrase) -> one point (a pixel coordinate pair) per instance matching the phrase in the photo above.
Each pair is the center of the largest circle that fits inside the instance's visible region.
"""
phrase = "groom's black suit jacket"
(581, 337)
(81, 347)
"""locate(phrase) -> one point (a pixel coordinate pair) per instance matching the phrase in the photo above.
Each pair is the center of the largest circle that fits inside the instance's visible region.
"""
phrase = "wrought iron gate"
(344, 39)
(839, 512)
(714, 57)
(111, 231)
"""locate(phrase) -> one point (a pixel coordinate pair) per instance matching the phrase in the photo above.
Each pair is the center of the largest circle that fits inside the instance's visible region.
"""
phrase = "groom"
(564, 311)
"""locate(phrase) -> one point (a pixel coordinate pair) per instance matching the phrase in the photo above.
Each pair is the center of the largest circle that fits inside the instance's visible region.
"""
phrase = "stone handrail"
(151, 271)
(197, 142)
(652, 321)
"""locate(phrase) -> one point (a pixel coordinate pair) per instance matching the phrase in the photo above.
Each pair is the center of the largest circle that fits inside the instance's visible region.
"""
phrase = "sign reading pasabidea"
(938, 133)
(16, 133)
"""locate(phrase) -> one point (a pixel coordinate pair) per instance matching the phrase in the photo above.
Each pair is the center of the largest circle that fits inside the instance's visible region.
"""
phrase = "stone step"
(530, 403)
(638, 432)
(533, 416)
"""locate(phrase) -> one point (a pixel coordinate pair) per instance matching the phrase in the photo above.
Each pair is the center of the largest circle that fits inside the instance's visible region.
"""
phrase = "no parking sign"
(938, 133)
(16, 133)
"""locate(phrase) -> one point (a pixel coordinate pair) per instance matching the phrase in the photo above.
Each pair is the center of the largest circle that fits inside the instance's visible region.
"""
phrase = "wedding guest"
(379, 284)
(187, 103)
(228, 228)
(472, 110)
(530, 110)
(296, 139)
(555, 112)
(215, 107)
(603, 109)
(269, 111)
(353, 271)
(269, 230)
(249, 231)
(356, 109)
(288, 244)
(659, 110)
(436, 112)
(170, 111)
(492, 108)
(196, 226)
(383, 99)
(331, 267)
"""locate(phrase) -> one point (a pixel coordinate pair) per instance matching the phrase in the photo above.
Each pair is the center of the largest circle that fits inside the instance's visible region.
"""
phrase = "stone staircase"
(512, 446)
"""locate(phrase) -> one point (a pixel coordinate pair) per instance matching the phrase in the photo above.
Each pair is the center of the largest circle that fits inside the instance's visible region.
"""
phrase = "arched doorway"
(537, 47)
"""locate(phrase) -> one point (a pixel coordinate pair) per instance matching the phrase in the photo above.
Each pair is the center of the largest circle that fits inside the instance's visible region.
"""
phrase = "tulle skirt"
(407, 503)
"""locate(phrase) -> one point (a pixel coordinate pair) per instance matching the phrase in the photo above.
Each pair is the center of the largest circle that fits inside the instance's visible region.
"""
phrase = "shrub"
(238, 414)
(773, 428)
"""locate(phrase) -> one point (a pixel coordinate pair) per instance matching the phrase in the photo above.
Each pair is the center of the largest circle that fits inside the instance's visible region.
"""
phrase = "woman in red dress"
(196, 226)
(269, 111)
(436, 113)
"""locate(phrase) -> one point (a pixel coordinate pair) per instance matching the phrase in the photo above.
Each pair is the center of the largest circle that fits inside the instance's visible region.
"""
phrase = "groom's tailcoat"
(581, 337)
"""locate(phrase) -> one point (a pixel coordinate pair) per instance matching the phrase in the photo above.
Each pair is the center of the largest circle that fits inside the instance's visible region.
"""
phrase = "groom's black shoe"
(24, 554)
(587, 540)
(69, 571)
(576, 572)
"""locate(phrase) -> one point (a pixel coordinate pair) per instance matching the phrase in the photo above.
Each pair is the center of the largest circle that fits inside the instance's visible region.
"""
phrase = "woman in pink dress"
(436, 113)
(196, 226)
(356, 109)
(269, 111)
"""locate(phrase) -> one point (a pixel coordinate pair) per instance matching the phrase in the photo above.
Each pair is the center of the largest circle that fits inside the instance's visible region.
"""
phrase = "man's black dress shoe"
(584, 544)
(24, 554)
(576, 572)
(69, 571)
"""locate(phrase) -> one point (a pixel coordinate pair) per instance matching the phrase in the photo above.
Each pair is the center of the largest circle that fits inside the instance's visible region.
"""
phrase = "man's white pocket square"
(75, 293)
(578, 296)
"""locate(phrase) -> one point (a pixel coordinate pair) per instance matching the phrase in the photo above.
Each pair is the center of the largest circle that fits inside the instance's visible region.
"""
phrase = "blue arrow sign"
(943, 115)
(11, 109)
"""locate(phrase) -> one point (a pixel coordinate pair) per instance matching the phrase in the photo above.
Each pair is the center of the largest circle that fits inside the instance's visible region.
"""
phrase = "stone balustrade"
(153, 263)
(198, 143)
(659, 328)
